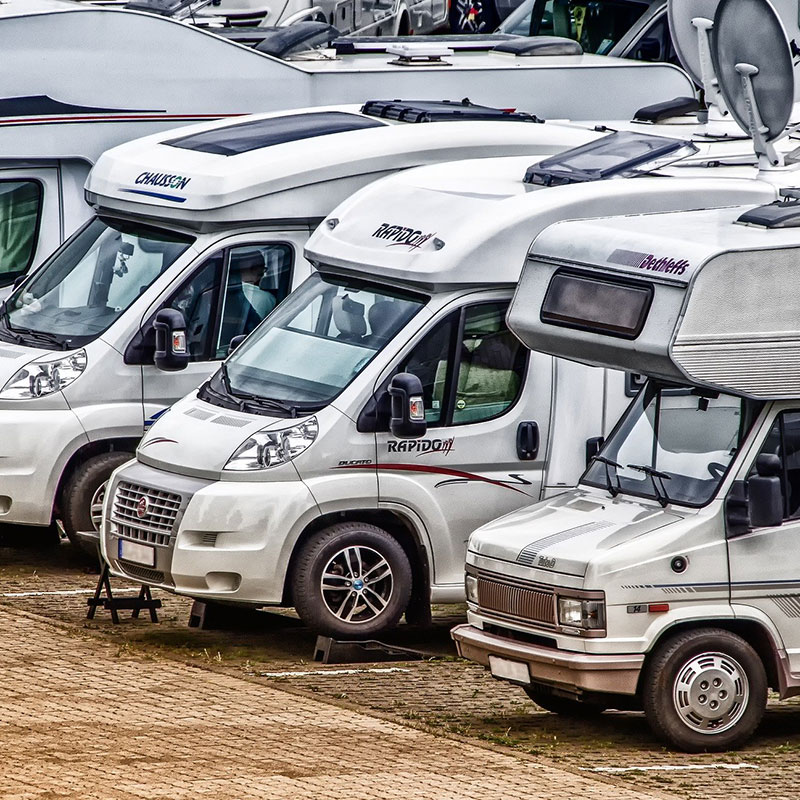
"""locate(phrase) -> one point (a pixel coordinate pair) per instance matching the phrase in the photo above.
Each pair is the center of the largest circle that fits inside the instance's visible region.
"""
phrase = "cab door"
(765, 562)
(487, 408)
(30, 219)
(228, 294)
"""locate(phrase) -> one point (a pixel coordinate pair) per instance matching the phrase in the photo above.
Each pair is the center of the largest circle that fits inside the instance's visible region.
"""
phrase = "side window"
(784, 441)
(491, 365)
(197, 301)
(470, 365)
(259, 277)
(20, 208)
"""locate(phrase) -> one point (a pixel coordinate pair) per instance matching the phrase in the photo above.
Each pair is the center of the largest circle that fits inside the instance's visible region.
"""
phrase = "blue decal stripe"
(172, 197)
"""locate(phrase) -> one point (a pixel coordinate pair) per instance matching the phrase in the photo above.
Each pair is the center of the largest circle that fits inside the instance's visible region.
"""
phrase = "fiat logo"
(142, 508)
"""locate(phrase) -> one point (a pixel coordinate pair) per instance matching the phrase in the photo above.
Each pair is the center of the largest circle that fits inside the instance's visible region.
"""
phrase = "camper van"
(665, 580)
(340, 457)
(209, 223)
(57, 115)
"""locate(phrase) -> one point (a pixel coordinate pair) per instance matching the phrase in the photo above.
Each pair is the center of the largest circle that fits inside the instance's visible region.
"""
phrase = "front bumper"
(574, 672)
(219, 540)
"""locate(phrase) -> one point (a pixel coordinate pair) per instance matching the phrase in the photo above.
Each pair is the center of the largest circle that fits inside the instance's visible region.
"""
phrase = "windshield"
(314, 344)
(90, 282)
(674, 445)
(597, 24)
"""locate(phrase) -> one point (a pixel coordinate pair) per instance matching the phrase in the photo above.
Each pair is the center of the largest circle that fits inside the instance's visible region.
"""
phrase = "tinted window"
(615, 309)
(246, 136)
(20, 209)
(784, 441)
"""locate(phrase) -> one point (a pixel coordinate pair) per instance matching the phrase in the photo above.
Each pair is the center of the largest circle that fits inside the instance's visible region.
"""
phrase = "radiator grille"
(522, 602)
(145, 514)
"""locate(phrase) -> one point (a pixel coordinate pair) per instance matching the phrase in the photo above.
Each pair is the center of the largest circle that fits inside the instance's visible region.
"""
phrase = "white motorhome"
(209, 221)
(667, 579)
(87, 78)
(285, 481)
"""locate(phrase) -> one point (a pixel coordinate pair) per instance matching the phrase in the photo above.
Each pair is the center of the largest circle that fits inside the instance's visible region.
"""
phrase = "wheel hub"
(96, 507)
(711, 693)
(357, 584)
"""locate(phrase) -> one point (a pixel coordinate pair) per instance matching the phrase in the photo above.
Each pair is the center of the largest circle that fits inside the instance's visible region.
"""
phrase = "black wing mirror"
(408, 408)
(764, 492)
(171, 352)
(235, 342)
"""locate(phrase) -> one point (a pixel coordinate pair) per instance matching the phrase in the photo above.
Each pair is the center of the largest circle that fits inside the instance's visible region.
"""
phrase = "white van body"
(250, 189)
(86, 78)
(676, 593)
(451, 235)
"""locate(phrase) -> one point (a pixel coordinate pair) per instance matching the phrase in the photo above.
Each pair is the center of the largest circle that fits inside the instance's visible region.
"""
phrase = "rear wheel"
(566, 706)
(352, 580)
(85, 491)
(473, 16)
(704, 690)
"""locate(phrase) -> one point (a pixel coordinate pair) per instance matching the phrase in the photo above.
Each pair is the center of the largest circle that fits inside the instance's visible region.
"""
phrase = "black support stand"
(144, 601)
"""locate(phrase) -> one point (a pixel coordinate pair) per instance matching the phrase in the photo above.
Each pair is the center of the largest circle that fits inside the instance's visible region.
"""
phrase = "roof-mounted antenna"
(753, 63)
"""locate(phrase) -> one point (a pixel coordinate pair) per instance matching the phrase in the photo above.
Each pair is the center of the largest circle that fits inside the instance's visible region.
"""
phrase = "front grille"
(158, 510)
(142, 573)
(515, 600)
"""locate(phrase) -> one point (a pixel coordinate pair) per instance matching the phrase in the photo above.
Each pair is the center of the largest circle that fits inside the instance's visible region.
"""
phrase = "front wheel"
(85, 491)
(473, 16)
(352, 581)
(704, 690)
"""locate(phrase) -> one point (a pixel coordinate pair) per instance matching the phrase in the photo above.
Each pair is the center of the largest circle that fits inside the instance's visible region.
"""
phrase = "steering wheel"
(716, 469)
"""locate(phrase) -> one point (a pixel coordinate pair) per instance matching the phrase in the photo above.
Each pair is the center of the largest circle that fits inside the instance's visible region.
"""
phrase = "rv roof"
(26, 8)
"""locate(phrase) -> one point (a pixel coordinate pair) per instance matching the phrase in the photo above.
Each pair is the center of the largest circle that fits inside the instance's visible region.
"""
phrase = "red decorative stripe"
(453, 473)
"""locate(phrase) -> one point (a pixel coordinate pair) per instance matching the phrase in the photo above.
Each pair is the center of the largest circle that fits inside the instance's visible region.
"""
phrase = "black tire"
(87, 480)
(565, 706)
(327, 550)
(683, 672)
(473, 16)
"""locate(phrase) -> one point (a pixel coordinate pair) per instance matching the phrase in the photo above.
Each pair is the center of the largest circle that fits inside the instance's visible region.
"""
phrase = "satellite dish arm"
(708, 74)
(765, 149)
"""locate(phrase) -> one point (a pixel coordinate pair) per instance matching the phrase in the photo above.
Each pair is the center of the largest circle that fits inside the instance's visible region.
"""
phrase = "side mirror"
(235, 342)
(764, 493)
(649, 49)
(408, 408)
(171, 353)
(593, 447)
(18, 281)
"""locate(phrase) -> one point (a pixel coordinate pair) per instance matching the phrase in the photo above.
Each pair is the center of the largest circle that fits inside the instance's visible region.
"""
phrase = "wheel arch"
(757, 635)
(87, 451)
(398, 525)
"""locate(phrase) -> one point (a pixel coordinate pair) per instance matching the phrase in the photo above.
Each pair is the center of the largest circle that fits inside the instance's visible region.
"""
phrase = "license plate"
(510, 670)
(139, 553)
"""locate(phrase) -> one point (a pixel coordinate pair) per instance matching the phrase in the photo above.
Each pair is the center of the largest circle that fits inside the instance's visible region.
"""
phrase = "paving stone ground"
(445, 696)
(80, 718)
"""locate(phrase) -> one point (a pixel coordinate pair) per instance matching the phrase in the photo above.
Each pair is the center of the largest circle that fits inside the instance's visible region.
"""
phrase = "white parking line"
(670, 767)
(316, 672)
(61, 592)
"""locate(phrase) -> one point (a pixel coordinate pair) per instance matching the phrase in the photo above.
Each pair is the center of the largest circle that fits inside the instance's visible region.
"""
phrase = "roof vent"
(473, 42)
(540, 46)
(783, 213)
(419, 54)
(658, 112)
(440, 111)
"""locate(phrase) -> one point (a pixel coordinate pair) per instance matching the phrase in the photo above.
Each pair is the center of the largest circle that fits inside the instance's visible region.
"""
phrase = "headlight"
(471, 586)
(271, 448)
(44, 376)
(586, 614)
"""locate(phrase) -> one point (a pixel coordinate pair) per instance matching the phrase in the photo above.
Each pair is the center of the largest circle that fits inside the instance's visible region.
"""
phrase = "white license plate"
(140, 553)
(510, 670)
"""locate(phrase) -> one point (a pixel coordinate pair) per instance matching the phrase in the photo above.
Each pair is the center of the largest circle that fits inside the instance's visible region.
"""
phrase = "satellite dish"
(753, 63)
(680, 14)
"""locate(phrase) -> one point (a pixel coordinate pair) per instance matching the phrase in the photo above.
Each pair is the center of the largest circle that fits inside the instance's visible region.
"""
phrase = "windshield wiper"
(661, 494)
(11, 331)
(50, 338)
(243, 399)
(612, 490)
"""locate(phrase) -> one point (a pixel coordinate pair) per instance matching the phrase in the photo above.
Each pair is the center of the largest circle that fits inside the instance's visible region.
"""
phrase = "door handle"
(527, 441)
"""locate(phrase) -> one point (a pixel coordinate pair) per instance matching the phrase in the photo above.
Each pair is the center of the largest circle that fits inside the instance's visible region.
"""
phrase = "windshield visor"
(91, 281)
(318, 340)
(673, 445)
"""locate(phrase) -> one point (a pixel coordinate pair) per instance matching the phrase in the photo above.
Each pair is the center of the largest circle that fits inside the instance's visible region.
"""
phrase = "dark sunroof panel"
(247, 136)
(440, 111)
